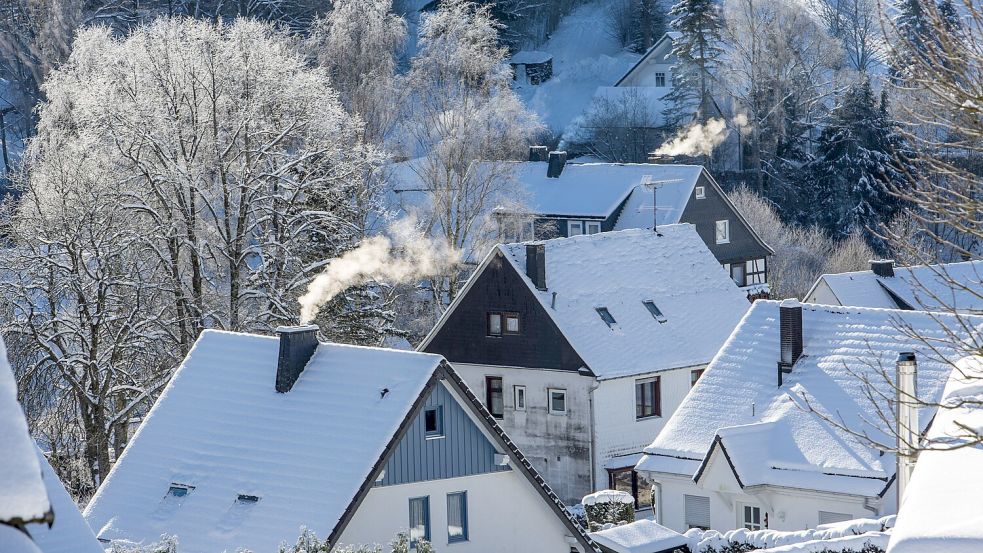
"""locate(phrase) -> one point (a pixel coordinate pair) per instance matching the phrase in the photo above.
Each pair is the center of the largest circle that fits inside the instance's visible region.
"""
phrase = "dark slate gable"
(462, 451)
(705, 213)
(462, 336)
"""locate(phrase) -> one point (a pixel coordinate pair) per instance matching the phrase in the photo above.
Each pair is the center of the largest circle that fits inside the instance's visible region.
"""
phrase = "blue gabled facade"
(458, 448)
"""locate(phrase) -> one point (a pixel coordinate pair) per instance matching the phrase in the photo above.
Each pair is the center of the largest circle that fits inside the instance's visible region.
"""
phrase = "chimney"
(882, 267)
(907, 419)
(297, 345)
(536, 265)
(790, 323)
(557, 161)
(538, 153)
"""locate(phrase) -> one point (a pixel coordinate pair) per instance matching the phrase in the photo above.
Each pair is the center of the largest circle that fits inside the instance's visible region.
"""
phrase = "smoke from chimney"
(695, 140)
(403, 256)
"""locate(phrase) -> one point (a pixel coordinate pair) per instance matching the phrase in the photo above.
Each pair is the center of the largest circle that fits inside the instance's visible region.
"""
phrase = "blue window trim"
(439, 432)
(464, 517)
(426, 517)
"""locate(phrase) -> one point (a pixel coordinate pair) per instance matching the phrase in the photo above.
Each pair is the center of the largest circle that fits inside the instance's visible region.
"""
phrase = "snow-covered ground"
(584, 58)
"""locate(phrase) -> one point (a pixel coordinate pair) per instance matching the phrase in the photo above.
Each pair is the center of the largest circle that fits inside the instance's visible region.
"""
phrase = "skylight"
(654, 310)
(247, 499)
(179, 490)
(606, 316)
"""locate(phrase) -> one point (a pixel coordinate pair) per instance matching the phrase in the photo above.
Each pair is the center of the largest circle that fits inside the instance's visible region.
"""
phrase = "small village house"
(582, 347)
(257, 436)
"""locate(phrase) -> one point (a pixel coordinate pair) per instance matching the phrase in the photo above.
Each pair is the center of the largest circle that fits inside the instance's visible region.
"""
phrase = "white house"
(944, 287)
(256, 436)
(941, 510)
(582, 347)
(36, 513)
(647, 82)
(760, 440)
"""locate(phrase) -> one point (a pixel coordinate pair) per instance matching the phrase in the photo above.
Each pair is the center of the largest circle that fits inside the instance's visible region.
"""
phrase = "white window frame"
(595, 225)
(518, 391)
(664, 79)
(572, 224)
(726, 231)
(701, 192)
(743, 522)
(509, 317)
(549, 401)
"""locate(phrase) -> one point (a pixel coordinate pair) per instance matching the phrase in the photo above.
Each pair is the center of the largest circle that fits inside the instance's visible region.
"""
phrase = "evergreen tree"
(697, 53)
(914, 32)
(860, 160)
(949, 16)
(648, 26)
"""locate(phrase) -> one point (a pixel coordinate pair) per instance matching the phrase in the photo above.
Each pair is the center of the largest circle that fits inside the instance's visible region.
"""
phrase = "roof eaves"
(522, 464)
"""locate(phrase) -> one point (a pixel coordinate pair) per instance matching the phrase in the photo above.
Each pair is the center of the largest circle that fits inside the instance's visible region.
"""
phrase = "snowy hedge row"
(852, 536)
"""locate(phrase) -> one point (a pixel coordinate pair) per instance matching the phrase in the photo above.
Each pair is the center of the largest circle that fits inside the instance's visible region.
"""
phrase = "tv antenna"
(648, 182)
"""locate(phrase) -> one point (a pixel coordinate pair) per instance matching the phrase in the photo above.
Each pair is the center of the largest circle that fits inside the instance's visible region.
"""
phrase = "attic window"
(701, 192)
(606, 316)
(654, 310)
(433, 422)
(244, 499)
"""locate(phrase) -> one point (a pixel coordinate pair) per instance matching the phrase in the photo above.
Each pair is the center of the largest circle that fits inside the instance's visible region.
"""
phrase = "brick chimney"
(790, 324)
(557, 161)
(882, 267)
(538, 153)
(536, 265)
(297, 345)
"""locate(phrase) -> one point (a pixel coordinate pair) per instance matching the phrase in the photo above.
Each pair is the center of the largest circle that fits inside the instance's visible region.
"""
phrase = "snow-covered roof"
(659, 45)
(941, 508)
(773, 435)
(221, 428)
(69, 533)
(620, 271)
(530, 57)
(641, 536)
(13, 540)
(926, 287)
(23, 497)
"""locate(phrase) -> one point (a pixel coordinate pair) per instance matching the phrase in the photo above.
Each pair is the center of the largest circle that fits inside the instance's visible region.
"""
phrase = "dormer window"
(654, 310)
(606, 316)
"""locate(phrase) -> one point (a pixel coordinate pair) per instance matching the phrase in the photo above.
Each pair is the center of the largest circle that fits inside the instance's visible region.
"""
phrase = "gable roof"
(23, 497)
(941, 504)
(310, 454)
(924, 287)
(619, 271)
(669, 36)
(69, 533)
(768, 432)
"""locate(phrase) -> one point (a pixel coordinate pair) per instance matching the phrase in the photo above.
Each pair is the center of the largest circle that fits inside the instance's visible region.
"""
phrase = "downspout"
(658, 501)
(593, 438)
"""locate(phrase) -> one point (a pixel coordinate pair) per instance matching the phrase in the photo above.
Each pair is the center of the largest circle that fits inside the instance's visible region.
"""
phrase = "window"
(419, 519)
(701, 192)
(557, 401)
(697, 510)
(519, 397)
(628, 481)
(654, 310)
(660, 79)
(757, 271)
(737, 273)
(593, 227)
(695, 375)
(575, 228)
(723, 231)
(751, 517)
(493, 396)
(457, 517)
(511, 323)
(826, 517)
(606, 316)
(494, 324)
(648, 398)
(433, 422)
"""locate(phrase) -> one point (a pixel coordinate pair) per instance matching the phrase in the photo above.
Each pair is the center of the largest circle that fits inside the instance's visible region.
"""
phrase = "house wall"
(463, 337)
(822, 294)
(787, 509)
(558, 446)
(505, 515)
(617, 431)
(706, 212)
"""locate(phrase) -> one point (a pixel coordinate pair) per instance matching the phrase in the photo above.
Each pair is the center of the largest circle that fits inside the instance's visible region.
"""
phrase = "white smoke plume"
(695, 140)
(403, 256)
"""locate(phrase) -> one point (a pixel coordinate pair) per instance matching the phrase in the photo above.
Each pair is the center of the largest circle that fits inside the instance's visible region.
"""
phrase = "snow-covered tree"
(624, 128)
(636, 24)
(697, 52)
(862, 161)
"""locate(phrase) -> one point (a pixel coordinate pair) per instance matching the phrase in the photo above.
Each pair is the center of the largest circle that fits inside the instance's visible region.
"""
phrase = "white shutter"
(697, 511)
(826, 517)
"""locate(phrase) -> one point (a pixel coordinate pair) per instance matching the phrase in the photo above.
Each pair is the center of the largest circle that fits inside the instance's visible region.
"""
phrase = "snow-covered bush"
(167, 544)
(852, 536)
(608, 507)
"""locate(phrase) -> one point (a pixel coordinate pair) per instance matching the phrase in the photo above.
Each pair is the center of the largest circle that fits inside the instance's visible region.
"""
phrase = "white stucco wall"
(505, 515)
(822, 294)
(558, 446)
(787, 509)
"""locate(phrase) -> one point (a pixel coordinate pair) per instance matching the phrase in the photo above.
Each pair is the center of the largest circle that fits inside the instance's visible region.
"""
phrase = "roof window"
(179, 490)
(244, 499)
(654, 310)
(606, 316)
